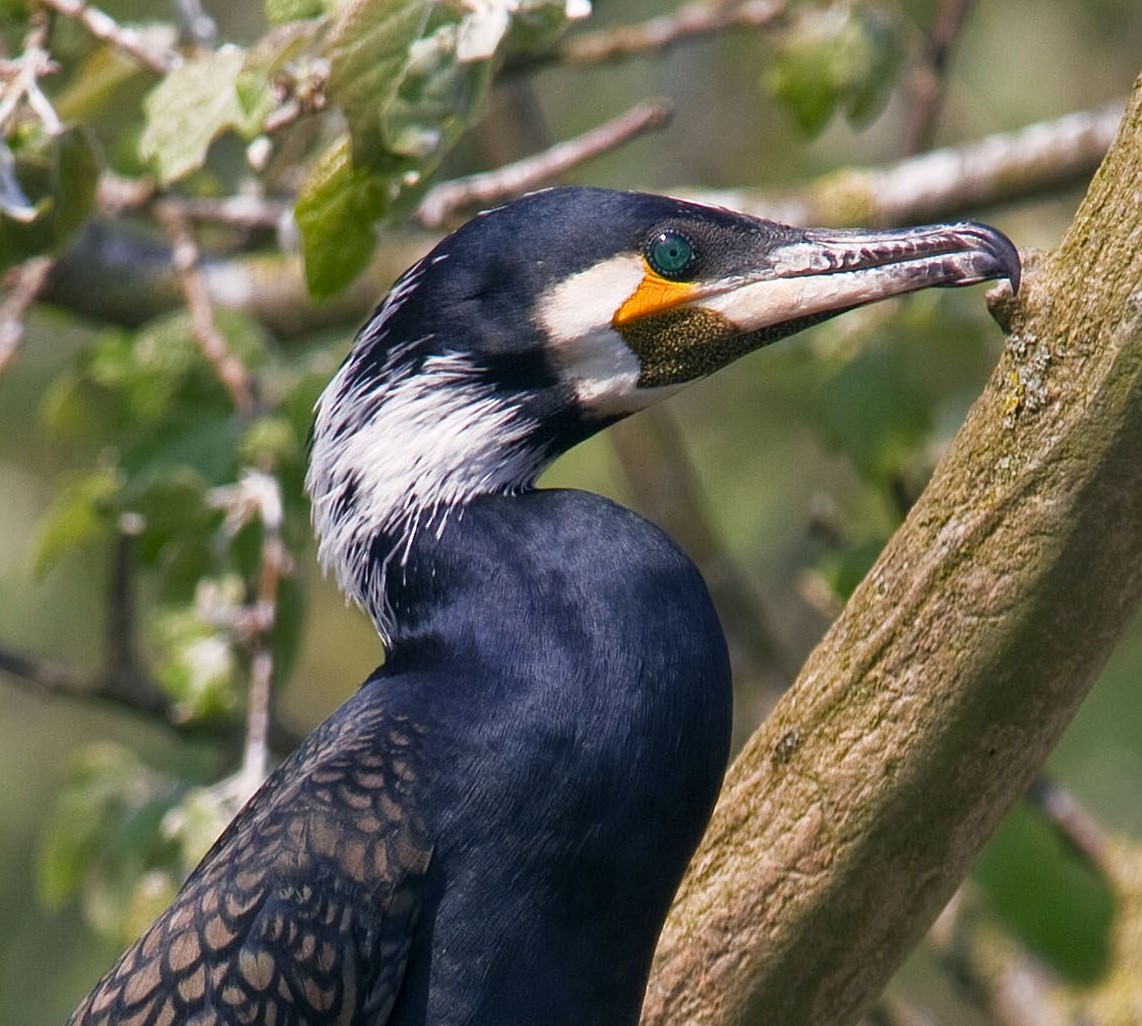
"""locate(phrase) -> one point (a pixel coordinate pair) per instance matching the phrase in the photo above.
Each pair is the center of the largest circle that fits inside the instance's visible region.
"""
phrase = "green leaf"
(1051, 899)
(437, 98)
(80, 513)
(189, 109)
(539, 23)
(98, 81)
(171, 502)
(270, 439)
(58, 176)
(410, 76)
(257, 93)
(844, 56)
(279, 12)
(335, 211)
(367, 48)
(145, 384)
(77, 168)
(103, 831)
(875, 56)
(195, 663)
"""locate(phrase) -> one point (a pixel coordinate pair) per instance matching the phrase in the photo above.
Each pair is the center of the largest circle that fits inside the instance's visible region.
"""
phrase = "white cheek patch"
(587, 302)
(588, 353)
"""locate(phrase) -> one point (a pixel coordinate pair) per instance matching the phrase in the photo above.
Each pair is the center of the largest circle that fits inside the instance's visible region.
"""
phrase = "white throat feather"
(394, 452)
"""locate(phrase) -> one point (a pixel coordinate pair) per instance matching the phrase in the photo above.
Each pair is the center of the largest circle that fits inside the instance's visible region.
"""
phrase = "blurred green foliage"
(813, 450)
(839, 57)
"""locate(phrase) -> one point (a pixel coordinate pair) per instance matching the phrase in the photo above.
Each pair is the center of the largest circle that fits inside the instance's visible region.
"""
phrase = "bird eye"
(671, 254)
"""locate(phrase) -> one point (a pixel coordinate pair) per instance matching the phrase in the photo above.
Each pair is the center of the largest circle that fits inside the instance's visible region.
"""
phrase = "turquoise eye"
(671, 254)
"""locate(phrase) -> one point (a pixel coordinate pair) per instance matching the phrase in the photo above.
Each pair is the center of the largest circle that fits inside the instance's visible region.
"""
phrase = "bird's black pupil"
(671, 254)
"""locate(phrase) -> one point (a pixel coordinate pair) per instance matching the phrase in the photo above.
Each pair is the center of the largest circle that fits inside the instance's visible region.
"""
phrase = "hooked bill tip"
(1001, 248)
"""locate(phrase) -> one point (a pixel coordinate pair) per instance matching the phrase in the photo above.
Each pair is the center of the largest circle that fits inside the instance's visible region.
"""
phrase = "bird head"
(540, 322)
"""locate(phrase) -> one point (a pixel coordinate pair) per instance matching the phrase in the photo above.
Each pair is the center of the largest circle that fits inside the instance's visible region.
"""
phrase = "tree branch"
(927, 82)
(446, 199)
(127, 40)
(1039, 159)
(688, 23)
(930, 704)
(184, 255)
(1072, 822)
(26, 282)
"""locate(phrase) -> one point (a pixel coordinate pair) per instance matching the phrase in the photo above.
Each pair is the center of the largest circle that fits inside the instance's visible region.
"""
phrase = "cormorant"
(490, 831)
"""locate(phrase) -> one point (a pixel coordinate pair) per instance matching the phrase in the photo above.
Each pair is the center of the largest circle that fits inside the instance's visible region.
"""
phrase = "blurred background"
(788, 471)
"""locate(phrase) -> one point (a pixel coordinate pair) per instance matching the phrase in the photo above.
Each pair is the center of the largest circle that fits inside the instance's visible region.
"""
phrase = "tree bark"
(857, 808)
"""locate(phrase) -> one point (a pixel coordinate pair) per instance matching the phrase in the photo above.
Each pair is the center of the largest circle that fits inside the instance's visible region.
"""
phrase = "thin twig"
(257, 495)
(275, 563)
(25, 283)
(120, 641)
(127, 40)
(1000, 168)
(927, 81)
(47, 678)
(116, 194)
(199, 25)
(20, 78)
(184, 256)
(236, 211)
(689, 23)
(50, 677)
(1073, 822)
(446, 199)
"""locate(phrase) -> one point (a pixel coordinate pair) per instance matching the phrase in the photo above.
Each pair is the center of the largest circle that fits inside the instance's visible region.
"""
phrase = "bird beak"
(810, 274)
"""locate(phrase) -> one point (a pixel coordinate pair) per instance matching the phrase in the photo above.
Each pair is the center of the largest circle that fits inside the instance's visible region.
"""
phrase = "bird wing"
(303, 911)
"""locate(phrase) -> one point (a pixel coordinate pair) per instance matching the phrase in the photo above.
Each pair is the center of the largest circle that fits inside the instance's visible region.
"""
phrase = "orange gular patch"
(654, 295)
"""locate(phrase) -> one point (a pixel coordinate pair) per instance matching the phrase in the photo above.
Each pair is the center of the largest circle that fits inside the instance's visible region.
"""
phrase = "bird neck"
(563, 577)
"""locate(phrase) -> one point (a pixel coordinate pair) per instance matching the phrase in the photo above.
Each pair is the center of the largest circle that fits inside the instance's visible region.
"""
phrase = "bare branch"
(46, 678)
(127, 40)
(116, 195)
(1000, 168)
(275, 563)
(23, 286)
(120, 642)
(199, 25)
(444, 201)
(926, 83)
(184, 255)
(20, 78)
(236, 211)
(1067, 815)
(689, 23)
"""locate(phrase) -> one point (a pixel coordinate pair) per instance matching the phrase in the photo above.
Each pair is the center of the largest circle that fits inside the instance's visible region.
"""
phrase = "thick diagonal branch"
(925, 712)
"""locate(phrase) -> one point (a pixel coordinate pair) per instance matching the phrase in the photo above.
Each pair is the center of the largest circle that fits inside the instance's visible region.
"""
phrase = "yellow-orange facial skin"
(654, 295)
(674, 339)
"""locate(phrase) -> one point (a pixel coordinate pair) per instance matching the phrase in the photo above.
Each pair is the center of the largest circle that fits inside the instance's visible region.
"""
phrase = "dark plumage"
(490, 831)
